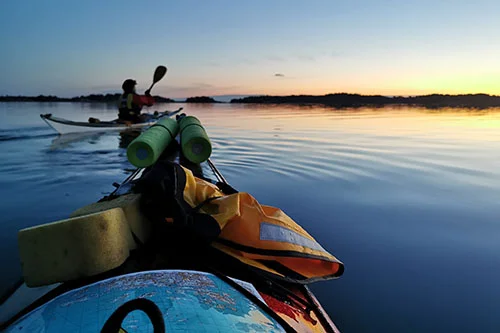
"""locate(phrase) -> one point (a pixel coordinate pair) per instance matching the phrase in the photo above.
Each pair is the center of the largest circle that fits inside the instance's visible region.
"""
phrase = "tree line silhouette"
(339, 100)
(107, 98)
(343, 100)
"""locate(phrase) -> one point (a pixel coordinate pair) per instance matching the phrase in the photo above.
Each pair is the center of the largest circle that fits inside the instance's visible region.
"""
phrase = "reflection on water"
(64, 141)
(126, 137)
(406, 198)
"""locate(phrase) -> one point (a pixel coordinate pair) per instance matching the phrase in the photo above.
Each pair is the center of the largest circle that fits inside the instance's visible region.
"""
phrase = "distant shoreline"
(338, 100)
(99, 98)
(342, 100)
(93, 98)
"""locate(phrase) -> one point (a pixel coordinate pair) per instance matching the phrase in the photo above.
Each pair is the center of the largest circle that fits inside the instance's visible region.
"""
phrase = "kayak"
(65, 126)
(145, 258)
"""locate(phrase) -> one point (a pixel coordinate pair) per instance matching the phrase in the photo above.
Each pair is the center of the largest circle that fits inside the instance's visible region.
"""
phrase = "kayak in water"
(65, 126)
(174, 247)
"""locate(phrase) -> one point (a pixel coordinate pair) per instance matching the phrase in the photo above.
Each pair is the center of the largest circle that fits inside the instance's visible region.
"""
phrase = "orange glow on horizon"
(324, 91)
(408, 86)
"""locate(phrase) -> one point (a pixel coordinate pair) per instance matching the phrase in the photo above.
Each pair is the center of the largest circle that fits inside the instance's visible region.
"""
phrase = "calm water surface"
(406, 198)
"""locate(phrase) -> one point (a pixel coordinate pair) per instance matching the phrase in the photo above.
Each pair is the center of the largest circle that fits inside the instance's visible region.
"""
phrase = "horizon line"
(257, 95)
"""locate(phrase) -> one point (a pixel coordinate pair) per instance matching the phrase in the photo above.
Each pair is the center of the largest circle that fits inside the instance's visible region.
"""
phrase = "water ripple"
(312, 154)
(417, 188)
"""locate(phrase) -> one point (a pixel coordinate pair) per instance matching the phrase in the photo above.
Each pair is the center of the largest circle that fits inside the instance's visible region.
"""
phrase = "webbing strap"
(198, 207)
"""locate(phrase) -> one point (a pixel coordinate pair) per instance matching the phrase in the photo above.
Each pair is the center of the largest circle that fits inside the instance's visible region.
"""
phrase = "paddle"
(160, 72)
(170, 113)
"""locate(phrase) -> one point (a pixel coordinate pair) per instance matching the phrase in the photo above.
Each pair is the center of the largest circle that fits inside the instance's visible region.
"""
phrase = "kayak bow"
(121, 254)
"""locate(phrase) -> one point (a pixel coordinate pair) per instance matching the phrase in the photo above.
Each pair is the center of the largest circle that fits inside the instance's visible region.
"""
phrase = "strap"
(226, 188)
(198, 207)
(114, 322)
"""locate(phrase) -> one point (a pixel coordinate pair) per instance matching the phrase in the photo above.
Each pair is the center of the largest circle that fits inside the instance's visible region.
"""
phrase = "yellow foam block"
(74, 248)
(139, 224)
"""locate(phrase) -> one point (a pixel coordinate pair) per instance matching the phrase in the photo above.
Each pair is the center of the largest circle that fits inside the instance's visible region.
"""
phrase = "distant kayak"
(65, 126)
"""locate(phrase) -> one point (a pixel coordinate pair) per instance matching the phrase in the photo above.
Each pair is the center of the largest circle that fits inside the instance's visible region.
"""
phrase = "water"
(406, 198)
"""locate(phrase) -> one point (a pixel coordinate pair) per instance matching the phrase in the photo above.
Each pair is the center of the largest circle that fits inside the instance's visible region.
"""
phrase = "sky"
(276, 47)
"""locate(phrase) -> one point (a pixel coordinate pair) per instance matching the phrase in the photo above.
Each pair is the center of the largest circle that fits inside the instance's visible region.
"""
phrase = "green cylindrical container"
(195, 143)
(147, 148)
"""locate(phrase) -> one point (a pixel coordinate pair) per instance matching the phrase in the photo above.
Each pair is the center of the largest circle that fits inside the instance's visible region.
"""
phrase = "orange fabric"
(259, 232)
(241, 257)
(310, 267)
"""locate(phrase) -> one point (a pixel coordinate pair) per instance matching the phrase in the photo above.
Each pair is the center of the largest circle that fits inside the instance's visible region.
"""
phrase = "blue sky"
(220, 47)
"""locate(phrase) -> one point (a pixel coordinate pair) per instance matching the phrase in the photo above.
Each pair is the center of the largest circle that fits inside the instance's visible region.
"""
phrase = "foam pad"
(74, 248)
(138, 223)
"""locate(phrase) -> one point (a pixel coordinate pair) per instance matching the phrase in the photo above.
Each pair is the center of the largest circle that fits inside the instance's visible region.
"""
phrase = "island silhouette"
(338, 100)
(201, 99)
(344, 100)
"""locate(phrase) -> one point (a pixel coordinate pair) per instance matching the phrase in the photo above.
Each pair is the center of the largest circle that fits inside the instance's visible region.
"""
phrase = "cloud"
(202, 85)
(165, 90)
(275, 58)
(104, 87)
(279, 75)
(305, 57)
(195, 89)
(247, 61)
(213, 64)
(336, 54)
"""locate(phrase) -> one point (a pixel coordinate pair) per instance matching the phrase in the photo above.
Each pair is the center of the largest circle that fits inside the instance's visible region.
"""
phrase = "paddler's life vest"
(127, 109)
(234, 223)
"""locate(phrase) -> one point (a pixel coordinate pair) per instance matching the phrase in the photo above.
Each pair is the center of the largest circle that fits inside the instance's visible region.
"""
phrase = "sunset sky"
(220, 47)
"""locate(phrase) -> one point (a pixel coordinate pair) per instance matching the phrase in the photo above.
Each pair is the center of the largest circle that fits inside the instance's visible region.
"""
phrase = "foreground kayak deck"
(197, 293)
(194, 301)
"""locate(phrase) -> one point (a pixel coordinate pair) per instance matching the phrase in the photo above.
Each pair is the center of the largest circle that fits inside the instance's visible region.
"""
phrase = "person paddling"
(130, 104)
